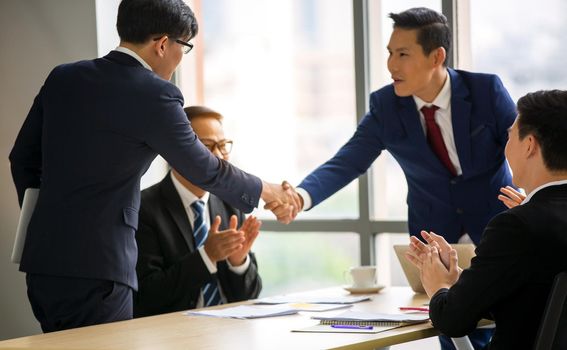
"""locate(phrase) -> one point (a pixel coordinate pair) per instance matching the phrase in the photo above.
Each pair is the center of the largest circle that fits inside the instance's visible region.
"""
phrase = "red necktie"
(435, 139)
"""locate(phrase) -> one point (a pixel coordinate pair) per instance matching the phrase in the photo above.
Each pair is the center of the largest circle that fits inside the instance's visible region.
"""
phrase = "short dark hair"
(138, 20)
(193, 112)
(543, 114)
(432, 28)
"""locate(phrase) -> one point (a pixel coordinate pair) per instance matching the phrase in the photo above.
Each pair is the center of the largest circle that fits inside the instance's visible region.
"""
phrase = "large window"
(521, 41)
(282, 74)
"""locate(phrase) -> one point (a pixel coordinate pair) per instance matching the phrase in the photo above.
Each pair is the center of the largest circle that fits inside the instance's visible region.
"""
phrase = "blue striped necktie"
(211, 293)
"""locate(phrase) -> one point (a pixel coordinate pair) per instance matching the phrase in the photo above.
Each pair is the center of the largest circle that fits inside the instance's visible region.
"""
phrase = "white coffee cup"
(363, 276)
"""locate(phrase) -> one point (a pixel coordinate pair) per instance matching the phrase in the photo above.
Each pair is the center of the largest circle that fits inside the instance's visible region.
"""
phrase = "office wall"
(35, 35)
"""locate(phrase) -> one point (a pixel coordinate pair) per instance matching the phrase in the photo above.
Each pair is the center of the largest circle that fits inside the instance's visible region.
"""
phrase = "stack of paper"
(246, 311)
(284, 299)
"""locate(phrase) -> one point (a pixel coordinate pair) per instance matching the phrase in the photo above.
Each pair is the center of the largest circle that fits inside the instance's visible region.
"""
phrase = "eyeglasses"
(187, 46)
(224, 146)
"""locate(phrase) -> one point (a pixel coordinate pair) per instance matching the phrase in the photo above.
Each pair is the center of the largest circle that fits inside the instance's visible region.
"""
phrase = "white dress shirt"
(443, 118)
(135, 55)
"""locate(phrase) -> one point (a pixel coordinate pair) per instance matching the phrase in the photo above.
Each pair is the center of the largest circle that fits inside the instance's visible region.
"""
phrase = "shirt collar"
(135, 55)
(187, 197)
(442, 100)
(549, 184)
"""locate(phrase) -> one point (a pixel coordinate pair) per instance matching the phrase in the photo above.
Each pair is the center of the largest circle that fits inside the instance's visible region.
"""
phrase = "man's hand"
(510, 197)
(282, 200)
(222, 244)
(434, 275)
(437, 241)
(250, 228)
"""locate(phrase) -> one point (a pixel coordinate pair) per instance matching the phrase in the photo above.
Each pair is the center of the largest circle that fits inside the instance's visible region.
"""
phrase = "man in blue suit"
(92, 132)
(446, 128)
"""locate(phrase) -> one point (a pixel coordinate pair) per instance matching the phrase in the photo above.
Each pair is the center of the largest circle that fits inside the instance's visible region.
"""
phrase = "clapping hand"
(222, 244)
(511, 197)
(251, 229)
(436, 261)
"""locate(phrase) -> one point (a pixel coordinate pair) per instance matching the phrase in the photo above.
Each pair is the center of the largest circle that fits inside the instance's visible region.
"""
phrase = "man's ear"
(159, 46)
(532, 147)
(439, 56)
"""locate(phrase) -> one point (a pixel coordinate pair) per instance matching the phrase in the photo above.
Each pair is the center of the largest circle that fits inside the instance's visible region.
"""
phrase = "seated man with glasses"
(193, 248)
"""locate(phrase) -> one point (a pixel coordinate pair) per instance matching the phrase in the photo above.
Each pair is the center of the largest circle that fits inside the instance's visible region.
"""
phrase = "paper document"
(345, 299)
(316, 307)
(28, 206)
(246, 311)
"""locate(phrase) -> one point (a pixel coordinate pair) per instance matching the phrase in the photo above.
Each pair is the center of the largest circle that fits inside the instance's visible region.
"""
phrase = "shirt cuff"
(208, 263)
(239, 270)
(306, 198)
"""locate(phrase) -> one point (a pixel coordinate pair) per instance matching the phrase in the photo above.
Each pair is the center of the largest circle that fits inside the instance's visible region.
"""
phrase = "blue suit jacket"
(482, 111)
(93, 130)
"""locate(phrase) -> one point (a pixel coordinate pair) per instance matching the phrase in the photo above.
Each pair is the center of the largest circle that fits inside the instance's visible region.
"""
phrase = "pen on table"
(414, 308)
(350, 326)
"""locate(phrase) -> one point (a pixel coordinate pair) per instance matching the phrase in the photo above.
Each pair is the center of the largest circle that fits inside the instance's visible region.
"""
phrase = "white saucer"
(364, 290)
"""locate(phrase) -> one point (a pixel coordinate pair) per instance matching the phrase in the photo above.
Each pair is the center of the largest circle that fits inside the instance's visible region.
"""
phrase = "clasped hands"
(436, 261)
(282, 200)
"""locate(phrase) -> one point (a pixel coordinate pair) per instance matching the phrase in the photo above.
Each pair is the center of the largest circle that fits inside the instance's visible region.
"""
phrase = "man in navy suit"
(92, 132)
(446, 128)
(182, 264)
(521, 250)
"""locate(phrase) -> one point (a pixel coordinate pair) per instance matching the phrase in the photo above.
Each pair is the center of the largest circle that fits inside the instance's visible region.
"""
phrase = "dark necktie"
(211, 293)
(435, 139)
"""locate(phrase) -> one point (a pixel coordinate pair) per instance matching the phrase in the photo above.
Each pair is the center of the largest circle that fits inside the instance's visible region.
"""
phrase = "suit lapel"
(216, 207)
(461, 119)
(177, 211)
(412, 123)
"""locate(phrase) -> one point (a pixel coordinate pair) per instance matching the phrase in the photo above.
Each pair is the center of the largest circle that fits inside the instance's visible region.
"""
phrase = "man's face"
(209, 130)
(514, 154)
(410, 68)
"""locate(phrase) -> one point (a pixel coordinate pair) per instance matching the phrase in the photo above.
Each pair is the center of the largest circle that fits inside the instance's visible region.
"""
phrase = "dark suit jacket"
(482, 111)
(93, 130)
(510, 278)
(170, 270)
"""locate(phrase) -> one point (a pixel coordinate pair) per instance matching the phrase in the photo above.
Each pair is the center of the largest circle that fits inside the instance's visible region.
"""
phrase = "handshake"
(282, 200)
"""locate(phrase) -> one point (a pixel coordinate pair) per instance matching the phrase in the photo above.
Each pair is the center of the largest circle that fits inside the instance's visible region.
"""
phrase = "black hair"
(138, 20)
(432, 28)
(543, 114)
(194, 112)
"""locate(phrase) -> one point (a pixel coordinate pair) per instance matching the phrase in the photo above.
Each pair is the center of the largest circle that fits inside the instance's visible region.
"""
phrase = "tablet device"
(28, 207)
(465, 252)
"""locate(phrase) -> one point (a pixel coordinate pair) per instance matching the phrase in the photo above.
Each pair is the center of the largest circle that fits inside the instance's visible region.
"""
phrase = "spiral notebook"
(363, 322)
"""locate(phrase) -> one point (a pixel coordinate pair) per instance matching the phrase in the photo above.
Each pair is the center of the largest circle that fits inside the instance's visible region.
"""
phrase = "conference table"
(179, 331)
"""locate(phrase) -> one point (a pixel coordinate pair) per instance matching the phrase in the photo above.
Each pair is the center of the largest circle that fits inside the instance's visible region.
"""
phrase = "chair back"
(552, 334)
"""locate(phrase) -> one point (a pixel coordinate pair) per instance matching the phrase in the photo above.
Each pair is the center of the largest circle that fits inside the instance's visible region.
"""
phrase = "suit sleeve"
(504, 110)
(241, 287)
(163, 284)
(352, 160)
(497, 271)
(26, 156)
(169, 133)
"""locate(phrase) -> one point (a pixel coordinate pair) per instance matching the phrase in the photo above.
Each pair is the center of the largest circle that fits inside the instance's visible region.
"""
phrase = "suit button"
(453, 182)
(245, 198)
(460, 211)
